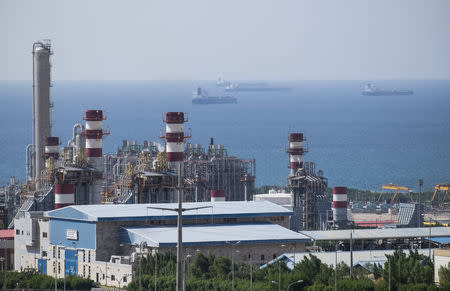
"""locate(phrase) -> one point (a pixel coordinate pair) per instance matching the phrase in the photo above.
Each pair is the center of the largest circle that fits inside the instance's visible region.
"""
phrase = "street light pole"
(141, 244)
(251, 272)
(335, 267)
(232, 262)
(156, 267)
(279, 275)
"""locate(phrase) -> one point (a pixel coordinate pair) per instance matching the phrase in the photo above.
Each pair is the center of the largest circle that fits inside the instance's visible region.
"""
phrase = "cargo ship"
(254, 87)
(201, 97)
(371, 90)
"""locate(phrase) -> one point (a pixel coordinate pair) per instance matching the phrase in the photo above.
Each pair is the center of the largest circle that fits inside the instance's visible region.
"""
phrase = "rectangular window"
(113, 278)
(44, 234)
(18, 231)
(44, 253)
(124, 279)
(262, 257)
(89, 256)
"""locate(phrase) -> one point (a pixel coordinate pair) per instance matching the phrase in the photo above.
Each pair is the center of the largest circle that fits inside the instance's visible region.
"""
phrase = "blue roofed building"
(102, 242)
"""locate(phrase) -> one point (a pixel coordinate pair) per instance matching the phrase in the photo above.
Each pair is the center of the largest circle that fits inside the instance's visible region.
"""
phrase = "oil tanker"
(371, 90)
(201, 97)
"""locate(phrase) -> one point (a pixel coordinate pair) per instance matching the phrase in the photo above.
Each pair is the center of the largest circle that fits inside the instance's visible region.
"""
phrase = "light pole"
(232, 262)
(251, 272)
(335, 267)
(279, 275)
(185, 272)
(156, 266)
(141, 244)
(296, 282)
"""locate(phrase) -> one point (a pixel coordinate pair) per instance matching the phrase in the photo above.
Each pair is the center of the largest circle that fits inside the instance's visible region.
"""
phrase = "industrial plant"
(92, 214)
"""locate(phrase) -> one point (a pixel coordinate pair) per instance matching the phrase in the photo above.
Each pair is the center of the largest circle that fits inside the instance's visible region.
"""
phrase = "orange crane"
(397, 189)
(445, 187)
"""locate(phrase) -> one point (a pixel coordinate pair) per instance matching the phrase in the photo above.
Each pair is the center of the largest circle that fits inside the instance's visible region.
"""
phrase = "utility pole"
(420, 205)
(351, 254)
(180, 211)
(335, 267)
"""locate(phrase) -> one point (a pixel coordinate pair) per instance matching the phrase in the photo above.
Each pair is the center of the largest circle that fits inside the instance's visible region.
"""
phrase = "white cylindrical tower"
(64, 195)
(41, 103)
(94, 150)
(295, 152)
(217, 195)
(340, 204)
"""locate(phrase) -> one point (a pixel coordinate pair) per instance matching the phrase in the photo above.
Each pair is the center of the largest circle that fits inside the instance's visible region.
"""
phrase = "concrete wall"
(256, 254)
(441, 258)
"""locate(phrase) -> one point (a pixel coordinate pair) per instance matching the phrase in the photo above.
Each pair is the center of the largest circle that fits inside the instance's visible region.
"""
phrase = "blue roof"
(128, 212)
(211, 234)
(442, 240)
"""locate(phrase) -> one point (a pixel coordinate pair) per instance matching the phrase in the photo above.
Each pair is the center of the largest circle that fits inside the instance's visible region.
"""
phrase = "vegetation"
(444, 276)
(207, 272)
(30, 279)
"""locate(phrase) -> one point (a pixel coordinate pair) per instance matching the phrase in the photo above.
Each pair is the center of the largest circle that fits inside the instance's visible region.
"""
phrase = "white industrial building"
(102, 242)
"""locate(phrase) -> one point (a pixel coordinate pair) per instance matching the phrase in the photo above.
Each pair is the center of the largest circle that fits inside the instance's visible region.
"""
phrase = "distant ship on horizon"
(248, 86)
(201, 97)
(371, 90)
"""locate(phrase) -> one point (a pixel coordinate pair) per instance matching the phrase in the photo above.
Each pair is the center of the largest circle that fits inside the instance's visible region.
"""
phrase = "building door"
(42, 266)
(71, 262)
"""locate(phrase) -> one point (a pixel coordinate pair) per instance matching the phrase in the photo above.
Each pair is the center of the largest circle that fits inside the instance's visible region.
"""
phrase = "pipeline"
(29, 162)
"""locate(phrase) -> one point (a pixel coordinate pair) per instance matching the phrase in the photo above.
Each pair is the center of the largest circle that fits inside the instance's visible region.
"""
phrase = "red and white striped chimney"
(295, 152)
(217, 195)
(175, 136)
(51, 144)
(340, 204)
(94, 151)
(64, 195)
(94, 138)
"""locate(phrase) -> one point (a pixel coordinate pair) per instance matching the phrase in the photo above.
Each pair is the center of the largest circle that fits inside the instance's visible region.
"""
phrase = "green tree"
(444, 274)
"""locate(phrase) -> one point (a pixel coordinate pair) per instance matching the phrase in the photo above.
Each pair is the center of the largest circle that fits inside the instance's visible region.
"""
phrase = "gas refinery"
(88, 213)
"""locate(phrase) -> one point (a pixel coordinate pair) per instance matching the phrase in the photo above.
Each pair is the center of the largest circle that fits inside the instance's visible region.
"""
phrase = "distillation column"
(94, 153)
(41, 104)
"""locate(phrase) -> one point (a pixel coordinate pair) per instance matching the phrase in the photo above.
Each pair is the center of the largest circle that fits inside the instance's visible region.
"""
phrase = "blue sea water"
(358, 141)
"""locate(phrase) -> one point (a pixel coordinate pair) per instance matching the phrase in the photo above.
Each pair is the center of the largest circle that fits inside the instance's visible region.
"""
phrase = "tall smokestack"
(340, 205)
(94, 150)
(41, 103)
(174, 137)
(64, 195)
(295, 152)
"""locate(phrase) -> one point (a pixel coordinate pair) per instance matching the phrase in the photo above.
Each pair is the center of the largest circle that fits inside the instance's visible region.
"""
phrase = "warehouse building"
(104, 242)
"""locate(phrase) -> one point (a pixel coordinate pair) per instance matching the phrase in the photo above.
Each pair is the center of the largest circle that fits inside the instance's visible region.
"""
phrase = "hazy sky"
(235, 39)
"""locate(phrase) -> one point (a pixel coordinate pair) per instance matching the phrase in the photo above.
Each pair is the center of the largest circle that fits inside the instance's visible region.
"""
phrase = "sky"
(233, 39)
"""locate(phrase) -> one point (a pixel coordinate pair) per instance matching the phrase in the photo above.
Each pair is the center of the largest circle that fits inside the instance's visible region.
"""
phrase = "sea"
(357, 141)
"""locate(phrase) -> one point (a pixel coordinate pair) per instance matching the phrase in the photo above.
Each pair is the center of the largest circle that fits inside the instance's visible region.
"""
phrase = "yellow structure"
(441, 187)
(397, 189)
